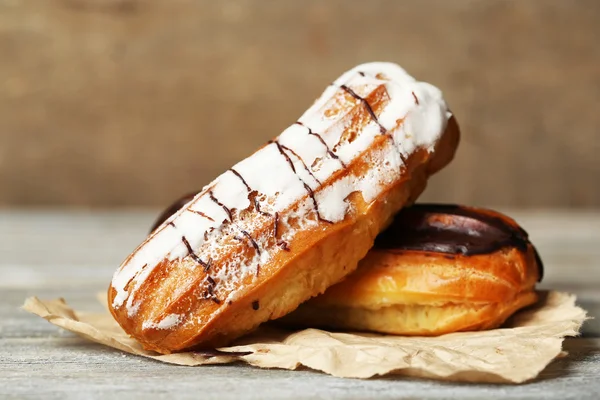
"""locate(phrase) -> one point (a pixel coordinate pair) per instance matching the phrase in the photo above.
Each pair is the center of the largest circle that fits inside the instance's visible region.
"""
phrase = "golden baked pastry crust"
(189, 301)
(416, 292)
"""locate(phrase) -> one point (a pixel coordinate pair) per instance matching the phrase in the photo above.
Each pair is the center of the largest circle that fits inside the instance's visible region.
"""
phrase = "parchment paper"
(516, 353)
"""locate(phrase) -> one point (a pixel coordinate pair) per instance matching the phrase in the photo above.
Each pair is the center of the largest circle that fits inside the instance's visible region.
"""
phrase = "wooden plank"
(42, 248)
(114, 102)
(16, 323)
(71, 367)
(73, 254)
(32, 366)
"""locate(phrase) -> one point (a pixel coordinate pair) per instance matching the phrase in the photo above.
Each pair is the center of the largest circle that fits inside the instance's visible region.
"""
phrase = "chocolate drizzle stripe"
(193, 255)
(329, 151)
(311, 193)
(367, 106)
(257, 207)
(256, 202)
(401, 156)
(276, 225)
(171, 224)
(252, 241)
(415, 97)
(303, 163)
(241, 178)
(208, 232)
(227, 210)
(201, 214)
(246, 234)
(281, 243)
(284, 154)
(126, 287)
(382, 129)
(210, 290)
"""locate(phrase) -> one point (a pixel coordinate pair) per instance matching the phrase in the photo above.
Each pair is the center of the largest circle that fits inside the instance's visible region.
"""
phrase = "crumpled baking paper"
(516, 353)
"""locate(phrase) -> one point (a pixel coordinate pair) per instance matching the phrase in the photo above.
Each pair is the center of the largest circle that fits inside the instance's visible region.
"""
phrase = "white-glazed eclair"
(292, 219)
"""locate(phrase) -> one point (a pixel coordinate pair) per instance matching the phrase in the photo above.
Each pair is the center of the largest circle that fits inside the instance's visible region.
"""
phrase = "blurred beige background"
(132, 103)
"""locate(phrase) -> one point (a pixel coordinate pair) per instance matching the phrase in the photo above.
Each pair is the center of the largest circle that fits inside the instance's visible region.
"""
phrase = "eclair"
(292, 219)
(437, 269)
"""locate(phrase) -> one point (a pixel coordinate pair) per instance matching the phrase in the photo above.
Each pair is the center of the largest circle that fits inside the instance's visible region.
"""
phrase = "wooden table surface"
(73, 254)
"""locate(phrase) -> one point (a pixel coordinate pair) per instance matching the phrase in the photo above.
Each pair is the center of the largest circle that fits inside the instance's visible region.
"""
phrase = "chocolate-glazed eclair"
(437, 269)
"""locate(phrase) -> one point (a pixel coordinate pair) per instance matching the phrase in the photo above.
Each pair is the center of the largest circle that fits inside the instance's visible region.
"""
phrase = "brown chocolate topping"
(452, 229)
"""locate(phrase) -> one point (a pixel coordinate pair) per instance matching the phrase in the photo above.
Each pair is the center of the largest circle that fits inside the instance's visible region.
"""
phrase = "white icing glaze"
(168, 322)
(268, 173)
